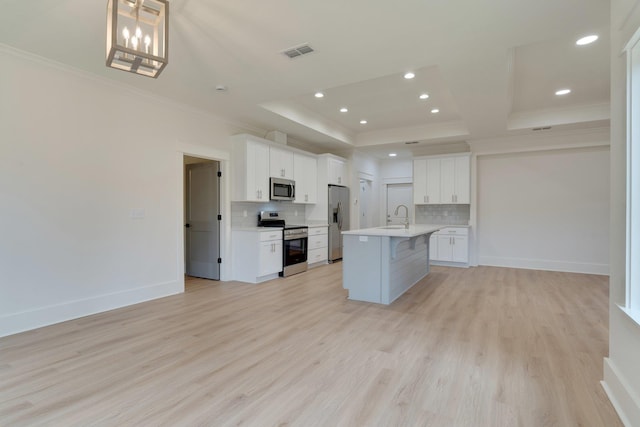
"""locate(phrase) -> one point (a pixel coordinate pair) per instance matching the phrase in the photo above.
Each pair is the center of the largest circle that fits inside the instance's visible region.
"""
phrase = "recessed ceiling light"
(409, 75)
(319, 95)
(424, 96)
(563, 92)
(363, 122)
(344, 109)
(587, 40)
(392, 154)
(435, 110)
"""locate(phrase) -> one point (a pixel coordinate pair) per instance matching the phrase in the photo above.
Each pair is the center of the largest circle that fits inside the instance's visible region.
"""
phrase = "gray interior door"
(202, 225)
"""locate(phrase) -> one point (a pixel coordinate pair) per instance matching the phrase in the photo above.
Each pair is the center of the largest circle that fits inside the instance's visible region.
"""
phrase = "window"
(632, 304)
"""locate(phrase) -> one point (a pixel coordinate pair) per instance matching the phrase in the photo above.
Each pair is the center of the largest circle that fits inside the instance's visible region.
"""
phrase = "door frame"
(372, 201)
(383, 195)
(215, 166)
(223, 157)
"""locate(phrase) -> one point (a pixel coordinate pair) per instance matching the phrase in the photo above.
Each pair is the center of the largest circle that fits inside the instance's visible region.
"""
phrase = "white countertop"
(413, 230)
(317, 224)
(256, 228)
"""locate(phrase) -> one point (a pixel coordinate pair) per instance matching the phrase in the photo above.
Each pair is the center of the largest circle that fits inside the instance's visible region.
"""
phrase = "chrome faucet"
(406, 217)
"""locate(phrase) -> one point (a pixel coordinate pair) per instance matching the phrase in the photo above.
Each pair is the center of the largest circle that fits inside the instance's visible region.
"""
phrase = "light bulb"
(134, 42)
(125, 33)
(147, 42)
(138, 33)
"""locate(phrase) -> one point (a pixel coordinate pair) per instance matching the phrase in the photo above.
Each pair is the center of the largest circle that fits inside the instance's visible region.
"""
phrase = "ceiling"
(490, 67)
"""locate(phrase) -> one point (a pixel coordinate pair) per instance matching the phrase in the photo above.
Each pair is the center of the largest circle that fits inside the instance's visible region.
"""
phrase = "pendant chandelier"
(138, 36)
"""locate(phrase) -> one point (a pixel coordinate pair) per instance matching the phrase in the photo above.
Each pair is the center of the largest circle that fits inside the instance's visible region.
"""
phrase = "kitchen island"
(380, 264)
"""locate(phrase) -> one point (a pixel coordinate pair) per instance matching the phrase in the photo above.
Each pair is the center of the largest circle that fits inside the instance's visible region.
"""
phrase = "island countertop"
(380, 264)
(397, 230)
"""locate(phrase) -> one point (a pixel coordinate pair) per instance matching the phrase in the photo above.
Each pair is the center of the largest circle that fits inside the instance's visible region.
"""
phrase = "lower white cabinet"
(450, 244)
(257, 254)
(318, 251)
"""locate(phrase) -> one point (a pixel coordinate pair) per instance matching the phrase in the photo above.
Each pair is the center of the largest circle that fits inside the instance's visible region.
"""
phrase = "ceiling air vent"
(541, 128)
(294, 52)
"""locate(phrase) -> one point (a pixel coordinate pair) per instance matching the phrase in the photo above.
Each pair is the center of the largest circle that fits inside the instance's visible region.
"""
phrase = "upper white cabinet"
(426, 181)
(337, 171)
(250, 169)
(255, 160)
(455, 178)
(280, 162)
(305, 174)
(442, 180)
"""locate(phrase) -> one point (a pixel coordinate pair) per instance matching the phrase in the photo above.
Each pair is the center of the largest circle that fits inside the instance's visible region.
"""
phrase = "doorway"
(399, 194)
(365, 210)
(202, 218)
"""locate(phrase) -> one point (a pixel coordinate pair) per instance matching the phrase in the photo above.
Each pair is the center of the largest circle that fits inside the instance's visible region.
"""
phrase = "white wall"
(77, 154)
(544, 210)
(621, 368)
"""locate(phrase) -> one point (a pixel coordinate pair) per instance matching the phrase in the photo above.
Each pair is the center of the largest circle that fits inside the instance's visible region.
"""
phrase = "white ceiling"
(491, 67)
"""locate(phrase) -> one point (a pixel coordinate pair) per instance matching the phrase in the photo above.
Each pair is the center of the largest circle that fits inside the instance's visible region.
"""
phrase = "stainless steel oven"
(295, 242)
(295, 248)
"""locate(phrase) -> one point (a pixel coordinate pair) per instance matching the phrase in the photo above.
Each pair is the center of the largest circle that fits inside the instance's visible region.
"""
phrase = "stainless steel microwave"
(282, 189)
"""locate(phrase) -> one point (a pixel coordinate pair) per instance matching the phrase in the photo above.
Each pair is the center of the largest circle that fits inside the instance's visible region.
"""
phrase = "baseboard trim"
(544, 264)
(623, 399)
(27, 320)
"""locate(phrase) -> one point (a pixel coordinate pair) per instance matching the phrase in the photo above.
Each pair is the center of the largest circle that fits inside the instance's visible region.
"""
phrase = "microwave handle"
(293, 191)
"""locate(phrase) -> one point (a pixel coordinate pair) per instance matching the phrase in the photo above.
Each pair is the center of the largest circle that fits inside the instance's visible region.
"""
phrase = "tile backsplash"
(443, 214)
(292, 213)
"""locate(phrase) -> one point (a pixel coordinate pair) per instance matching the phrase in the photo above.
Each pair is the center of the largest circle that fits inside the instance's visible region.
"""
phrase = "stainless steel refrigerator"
(338, 219)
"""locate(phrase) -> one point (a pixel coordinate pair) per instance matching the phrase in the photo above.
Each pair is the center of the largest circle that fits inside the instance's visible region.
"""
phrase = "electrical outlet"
(136, 213)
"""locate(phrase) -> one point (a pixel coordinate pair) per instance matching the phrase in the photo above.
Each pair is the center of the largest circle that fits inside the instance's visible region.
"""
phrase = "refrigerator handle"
(339, 216)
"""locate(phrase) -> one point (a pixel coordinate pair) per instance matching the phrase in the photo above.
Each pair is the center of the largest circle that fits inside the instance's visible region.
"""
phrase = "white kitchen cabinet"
(250, 169)
(256, 254)
(305, 174)
(270, 258)
(337, 171)
(426, 181)
(442, 180)
(451, 245)
(318, 252)
(280, 162)
(455, 179)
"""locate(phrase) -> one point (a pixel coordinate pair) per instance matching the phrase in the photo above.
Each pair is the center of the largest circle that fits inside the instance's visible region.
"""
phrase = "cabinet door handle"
(426, 199)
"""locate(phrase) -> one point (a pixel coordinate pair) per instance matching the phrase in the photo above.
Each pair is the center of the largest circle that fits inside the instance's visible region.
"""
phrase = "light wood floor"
(465, 347)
